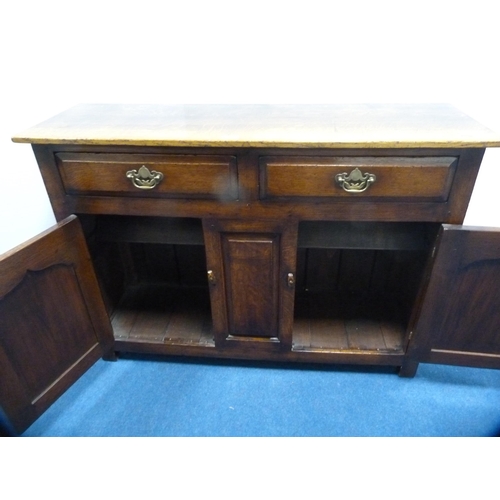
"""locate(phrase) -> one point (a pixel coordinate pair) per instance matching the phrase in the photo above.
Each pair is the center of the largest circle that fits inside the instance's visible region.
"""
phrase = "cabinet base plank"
(296, 355)
(346, 322)
(162, 314)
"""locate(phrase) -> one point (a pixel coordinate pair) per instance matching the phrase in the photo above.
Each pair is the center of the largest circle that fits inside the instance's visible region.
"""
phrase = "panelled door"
(53, 323)
(459, 322)
(251, 272)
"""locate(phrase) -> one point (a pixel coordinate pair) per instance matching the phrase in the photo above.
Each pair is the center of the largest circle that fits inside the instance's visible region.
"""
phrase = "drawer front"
(388, 178)
(149, 175)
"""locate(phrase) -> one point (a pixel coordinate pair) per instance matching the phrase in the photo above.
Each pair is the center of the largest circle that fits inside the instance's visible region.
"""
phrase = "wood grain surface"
(264, 125)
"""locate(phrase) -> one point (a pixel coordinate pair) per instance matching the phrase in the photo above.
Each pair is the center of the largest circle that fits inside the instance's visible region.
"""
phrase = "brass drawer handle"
(144, 179)
(356, 181)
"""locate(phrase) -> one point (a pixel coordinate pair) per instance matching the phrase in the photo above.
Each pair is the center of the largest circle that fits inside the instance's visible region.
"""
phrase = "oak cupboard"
(327, 234)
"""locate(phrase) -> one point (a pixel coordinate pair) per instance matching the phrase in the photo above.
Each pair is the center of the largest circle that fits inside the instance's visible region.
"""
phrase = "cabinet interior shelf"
(312, 234)
(160, 230)
(162, 314)
(366, 235)
(348, 322)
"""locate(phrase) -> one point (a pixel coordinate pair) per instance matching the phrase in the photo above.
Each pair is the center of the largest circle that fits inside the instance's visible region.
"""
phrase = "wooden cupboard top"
(264, 125)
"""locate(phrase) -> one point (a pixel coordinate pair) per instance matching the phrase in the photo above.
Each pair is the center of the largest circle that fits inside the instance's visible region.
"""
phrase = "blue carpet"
(171, 397)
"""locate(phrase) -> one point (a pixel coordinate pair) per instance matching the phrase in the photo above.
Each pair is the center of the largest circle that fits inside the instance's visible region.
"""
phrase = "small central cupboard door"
(251, 273)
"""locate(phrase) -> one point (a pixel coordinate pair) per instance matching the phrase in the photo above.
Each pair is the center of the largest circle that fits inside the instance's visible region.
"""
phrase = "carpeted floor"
(185, 397)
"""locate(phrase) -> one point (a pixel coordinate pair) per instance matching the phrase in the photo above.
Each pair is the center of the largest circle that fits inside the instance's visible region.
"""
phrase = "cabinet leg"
(110, 355)
(408, 369)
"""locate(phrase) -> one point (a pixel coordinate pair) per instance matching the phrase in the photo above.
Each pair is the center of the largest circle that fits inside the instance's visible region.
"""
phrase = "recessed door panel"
(251, 268)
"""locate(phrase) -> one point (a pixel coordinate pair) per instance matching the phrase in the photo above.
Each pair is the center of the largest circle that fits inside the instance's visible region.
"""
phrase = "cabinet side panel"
(463, 184)
(53, 183)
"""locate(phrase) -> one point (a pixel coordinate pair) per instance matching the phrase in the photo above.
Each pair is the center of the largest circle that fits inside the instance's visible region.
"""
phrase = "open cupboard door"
(53, 323)
(459, 321)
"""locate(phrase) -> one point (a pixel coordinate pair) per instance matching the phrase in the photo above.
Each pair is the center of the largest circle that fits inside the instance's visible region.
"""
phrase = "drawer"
(149, 175)
(387, 178)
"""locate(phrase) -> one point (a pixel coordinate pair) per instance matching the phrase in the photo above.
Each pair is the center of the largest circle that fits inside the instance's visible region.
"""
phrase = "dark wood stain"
(300, 270)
